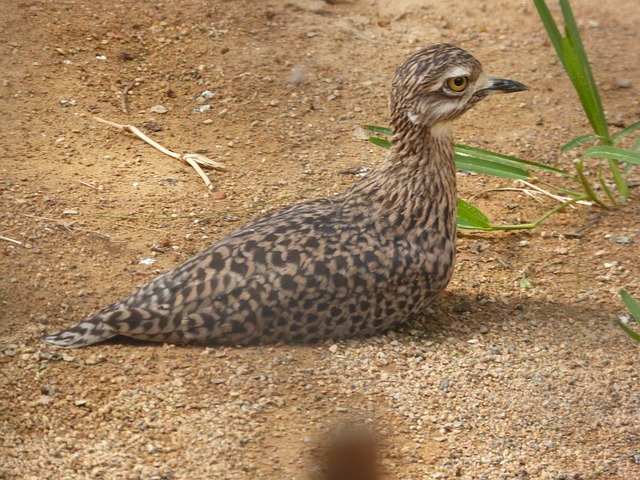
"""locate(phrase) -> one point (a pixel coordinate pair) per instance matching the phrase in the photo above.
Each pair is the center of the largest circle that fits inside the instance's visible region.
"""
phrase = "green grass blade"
(576, 142)
(479, 153)
(471, 218)
(626, 131)
(596, 114)
(613, 153)
(581, 85)
(634, 309)
(605, 188)
(552, 29)
(491, 168)
(482, 161)
(382, 130)
(629, 332)
(631, 304)
(381, 142)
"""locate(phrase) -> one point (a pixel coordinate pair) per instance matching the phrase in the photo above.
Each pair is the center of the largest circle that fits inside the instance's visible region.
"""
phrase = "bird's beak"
(492, 84)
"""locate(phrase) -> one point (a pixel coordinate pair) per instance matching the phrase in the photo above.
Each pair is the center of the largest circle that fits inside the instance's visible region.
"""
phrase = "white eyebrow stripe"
(458, 72)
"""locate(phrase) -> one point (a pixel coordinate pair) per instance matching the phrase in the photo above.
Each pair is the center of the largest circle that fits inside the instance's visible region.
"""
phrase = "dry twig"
(7, 239)
(193, 159)
(125, 92)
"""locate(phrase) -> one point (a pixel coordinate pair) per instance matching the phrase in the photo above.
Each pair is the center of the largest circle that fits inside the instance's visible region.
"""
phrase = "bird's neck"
(416, 184)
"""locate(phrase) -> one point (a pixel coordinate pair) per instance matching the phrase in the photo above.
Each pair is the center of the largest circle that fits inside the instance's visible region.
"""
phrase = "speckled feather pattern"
(354, 264)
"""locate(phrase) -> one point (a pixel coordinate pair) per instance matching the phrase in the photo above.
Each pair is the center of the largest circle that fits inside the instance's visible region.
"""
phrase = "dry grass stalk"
(193, 159)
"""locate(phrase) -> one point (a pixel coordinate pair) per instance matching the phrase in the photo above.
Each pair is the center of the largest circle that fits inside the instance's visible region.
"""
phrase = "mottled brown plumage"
(353, 264)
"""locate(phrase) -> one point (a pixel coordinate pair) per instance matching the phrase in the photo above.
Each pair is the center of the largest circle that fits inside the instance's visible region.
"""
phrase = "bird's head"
(438, 84)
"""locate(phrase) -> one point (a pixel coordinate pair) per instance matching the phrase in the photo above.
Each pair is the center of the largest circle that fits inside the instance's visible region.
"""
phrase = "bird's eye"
(457, 84)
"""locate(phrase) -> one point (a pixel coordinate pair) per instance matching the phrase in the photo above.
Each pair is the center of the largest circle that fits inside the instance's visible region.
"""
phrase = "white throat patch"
(441, 130)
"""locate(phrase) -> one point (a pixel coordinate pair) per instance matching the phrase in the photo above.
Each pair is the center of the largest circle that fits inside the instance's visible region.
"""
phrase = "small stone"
(201, 108)
(158, 109)
(208, 121)
(218, 195)
(70, 212)
(333, 348)
(147, 261)
(360, 133)
(297, 76)
(206, 95)
(623, 82)
(483, 329)
(68, 358)
(478, 247)
(152, 126)
(80, 403)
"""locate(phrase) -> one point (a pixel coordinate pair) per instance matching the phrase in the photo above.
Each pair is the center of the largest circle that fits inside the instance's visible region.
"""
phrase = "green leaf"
(576, 142)
(634, 308)
(480, 154)
(471, 218)
(580, 82)
(525, 283)
(629, 332)
(381, 142)
(613, 153)
(626, 131)
(490, 168)
(632, 305)
(595, 111)
(382, 130)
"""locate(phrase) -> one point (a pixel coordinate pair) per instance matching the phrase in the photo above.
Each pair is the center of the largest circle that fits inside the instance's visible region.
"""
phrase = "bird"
(354, 264)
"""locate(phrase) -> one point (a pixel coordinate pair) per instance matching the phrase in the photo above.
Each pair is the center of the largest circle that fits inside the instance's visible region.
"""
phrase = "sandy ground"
(504, 380)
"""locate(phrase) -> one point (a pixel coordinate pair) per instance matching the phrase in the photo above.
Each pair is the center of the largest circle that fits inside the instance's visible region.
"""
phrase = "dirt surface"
(520, 371)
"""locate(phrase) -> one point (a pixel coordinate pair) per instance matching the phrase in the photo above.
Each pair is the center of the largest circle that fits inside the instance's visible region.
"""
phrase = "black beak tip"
(508, 86)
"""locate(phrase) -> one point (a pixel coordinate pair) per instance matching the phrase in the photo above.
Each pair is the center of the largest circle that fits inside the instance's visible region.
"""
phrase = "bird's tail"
(142, 323)
(92, 330)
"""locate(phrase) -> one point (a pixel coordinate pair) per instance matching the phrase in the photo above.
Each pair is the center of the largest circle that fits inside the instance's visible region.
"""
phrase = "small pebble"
(296, 77)
(623, 83)
(147, 261)
(158, 109)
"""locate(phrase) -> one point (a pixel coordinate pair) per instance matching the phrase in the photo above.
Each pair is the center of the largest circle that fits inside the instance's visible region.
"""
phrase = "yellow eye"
(458, 84)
